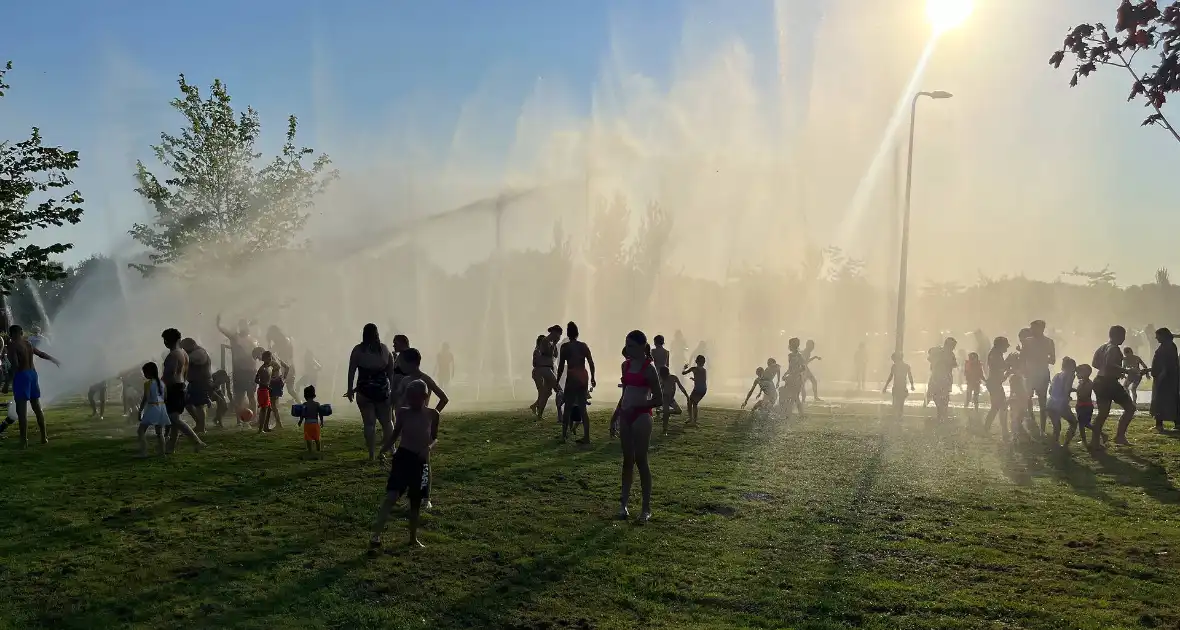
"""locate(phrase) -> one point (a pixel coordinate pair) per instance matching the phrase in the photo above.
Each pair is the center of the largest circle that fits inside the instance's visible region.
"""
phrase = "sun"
(944, 15)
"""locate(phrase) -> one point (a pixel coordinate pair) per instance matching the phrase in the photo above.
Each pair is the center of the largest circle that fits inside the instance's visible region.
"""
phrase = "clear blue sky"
(96, 75)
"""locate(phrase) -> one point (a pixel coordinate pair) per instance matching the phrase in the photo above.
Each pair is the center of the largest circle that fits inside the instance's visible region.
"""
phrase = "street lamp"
(899, 336)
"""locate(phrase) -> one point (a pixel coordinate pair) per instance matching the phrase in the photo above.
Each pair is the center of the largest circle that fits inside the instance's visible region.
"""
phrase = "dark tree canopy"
(217, 203)
(1140, 26)
(29, 169)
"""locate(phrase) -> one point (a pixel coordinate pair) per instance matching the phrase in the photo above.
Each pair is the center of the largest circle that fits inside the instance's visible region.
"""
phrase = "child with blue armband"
(311, 416)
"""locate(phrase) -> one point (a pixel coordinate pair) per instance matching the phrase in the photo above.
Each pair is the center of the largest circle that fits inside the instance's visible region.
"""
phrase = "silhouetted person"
(1038, 353)
(861, 361)
(576, 355)
(898, 375)
(808, 376)
(942, 370)
(997, 373)
(1108, 360)
(1165, 381)
(445, 365)
(26, 390)
(1135, 368)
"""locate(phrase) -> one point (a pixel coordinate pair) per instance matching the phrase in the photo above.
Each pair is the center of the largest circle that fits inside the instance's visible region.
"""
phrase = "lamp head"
(939, 94)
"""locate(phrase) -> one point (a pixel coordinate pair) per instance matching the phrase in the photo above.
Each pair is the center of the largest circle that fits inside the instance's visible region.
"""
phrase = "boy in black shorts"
(409, 472)
(1108, 389)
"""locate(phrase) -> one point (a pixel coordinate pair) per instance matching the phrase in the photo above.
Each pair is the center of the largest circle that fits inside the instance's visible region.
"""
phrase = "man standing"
(25, 388)
(175, 399)
(1038, 353)
(201, 392)
(241, 346)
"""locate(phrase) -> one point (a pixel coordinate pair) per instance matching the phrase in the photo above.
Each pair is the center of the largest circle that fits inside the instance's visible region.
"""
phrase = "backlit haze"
(761, 129)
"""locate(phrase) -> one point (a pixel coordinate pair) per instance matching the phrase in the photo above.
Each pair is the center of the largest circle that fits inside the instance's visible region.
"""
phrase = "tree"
(29, 168)
(218, 202)
(1140, 26)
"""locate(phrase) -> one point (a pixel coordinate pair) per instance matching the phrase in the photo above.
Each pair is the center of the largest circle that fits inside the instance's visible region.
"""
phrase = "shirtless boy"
(26, 391)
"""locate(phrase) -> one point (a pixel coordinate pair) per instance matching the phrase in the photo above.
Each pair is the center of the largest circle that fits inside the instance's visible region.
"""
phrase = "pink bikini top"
(635, 379)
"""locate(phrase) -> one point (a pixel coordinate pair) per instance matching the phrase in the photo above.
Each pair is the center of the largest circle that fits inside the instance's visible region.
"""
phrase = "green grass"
(829, 522)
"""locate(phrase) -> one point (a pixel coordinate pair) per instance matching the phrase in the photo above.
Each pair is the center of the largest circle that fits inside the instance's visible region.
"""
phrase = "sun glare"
(947, 14)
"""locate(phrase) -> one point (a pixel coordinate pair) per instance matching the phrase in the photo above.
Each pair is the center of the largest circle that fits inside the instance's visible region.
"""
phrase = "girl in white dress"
(152, 412)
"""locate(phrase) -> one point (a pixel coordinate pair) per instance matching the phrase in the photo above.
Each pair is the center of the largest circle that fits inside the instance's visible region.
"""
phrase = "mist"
(739, 210)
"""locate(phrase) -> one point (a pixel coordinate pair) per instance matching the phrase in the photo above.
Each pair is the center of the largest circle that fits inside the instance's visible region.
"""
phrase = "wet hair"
(1000, 341)
(896, 356)
(1084, 370)
(554, 330)
(758, 371)
(770, 362)
(1163, 332)
(1069, 364)
(188, 344)
(950, 342)
(15, 331)
(151, 372)
(973, 355)
(1118, 330)
(793, 343)
(171, 336)
(370, 337)
(401, 340)
(571, 330)
(309, 392)
(1037, 323)
(410, 356)
(1025, 333)
(257, 353)
(416, 390)
(658, 340)
(700, 359)
(637, 337)
(1128, 351)
(540, 339)
(266, 356)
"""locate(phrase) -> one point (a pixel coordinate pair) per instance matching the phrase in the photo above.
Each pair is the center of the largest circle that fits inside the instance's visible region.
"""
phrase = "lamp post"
(899, 334)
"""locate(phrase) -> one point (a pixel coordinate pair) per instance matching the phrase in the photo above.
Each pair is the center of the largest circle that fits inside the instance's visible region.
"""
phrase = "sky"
(1018, 174)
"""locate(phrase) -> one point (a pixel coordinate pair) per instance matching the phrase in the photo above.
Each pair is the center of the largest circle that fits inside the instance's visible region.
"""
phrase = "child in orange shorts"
(311, 416)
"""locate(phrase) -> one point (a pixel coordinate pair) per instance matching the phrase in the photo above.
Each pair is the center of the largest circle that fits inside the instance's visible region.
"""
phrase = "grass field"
(827, 522)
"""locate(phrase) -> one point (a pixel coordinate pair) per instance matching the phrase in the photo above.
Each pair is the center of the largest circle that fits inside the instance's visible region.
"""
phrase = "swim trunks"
(25, 385)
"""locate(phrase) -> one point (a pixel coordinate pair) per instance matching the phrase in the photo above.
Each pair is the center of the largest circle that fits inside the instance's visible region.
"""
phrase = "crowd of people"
(392, 392)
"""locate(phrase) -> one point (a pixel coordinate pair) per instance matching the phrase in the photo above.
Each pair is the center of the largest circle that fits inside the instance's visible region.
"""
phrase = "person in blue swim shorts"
(25, 390)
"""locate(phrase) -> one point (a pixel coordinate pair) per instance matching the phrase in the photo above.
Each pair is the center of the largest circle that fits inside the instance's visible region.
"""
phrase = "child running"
(700, 386)
(997, 373)
(898, 375)
(669, 383)
(973, 377)
(1018, 405)
(1136, 369)
(1058, 405)
(767, 396)
(311, 417)
(1085, 404)
(409, 471)
(151, 409)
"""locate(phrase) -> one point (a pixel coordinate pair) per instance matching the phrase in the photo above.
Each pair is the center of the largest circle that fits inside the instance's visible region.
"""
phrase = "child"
(1058, 404)
(790, 394)
(898, 375)
(767, 396)
(973, 375)
(131, 393)
(1018, 405)
(1135, 368)
(263, 379)
(409, 472)
(669, 383)
(700, 386)
(311, 417)
(1085, 404)
(151, 409)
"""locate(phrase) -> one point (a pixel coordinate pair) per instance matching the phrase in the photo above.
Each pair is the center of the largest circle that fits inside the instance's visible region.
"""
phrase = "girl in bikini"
(641, 394)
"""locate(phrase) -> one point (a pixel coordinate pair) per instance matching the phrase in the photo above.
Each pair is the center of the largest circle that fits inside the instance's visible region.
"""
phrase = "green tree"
(220, 205)
(1141, 26)
(29, 168)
